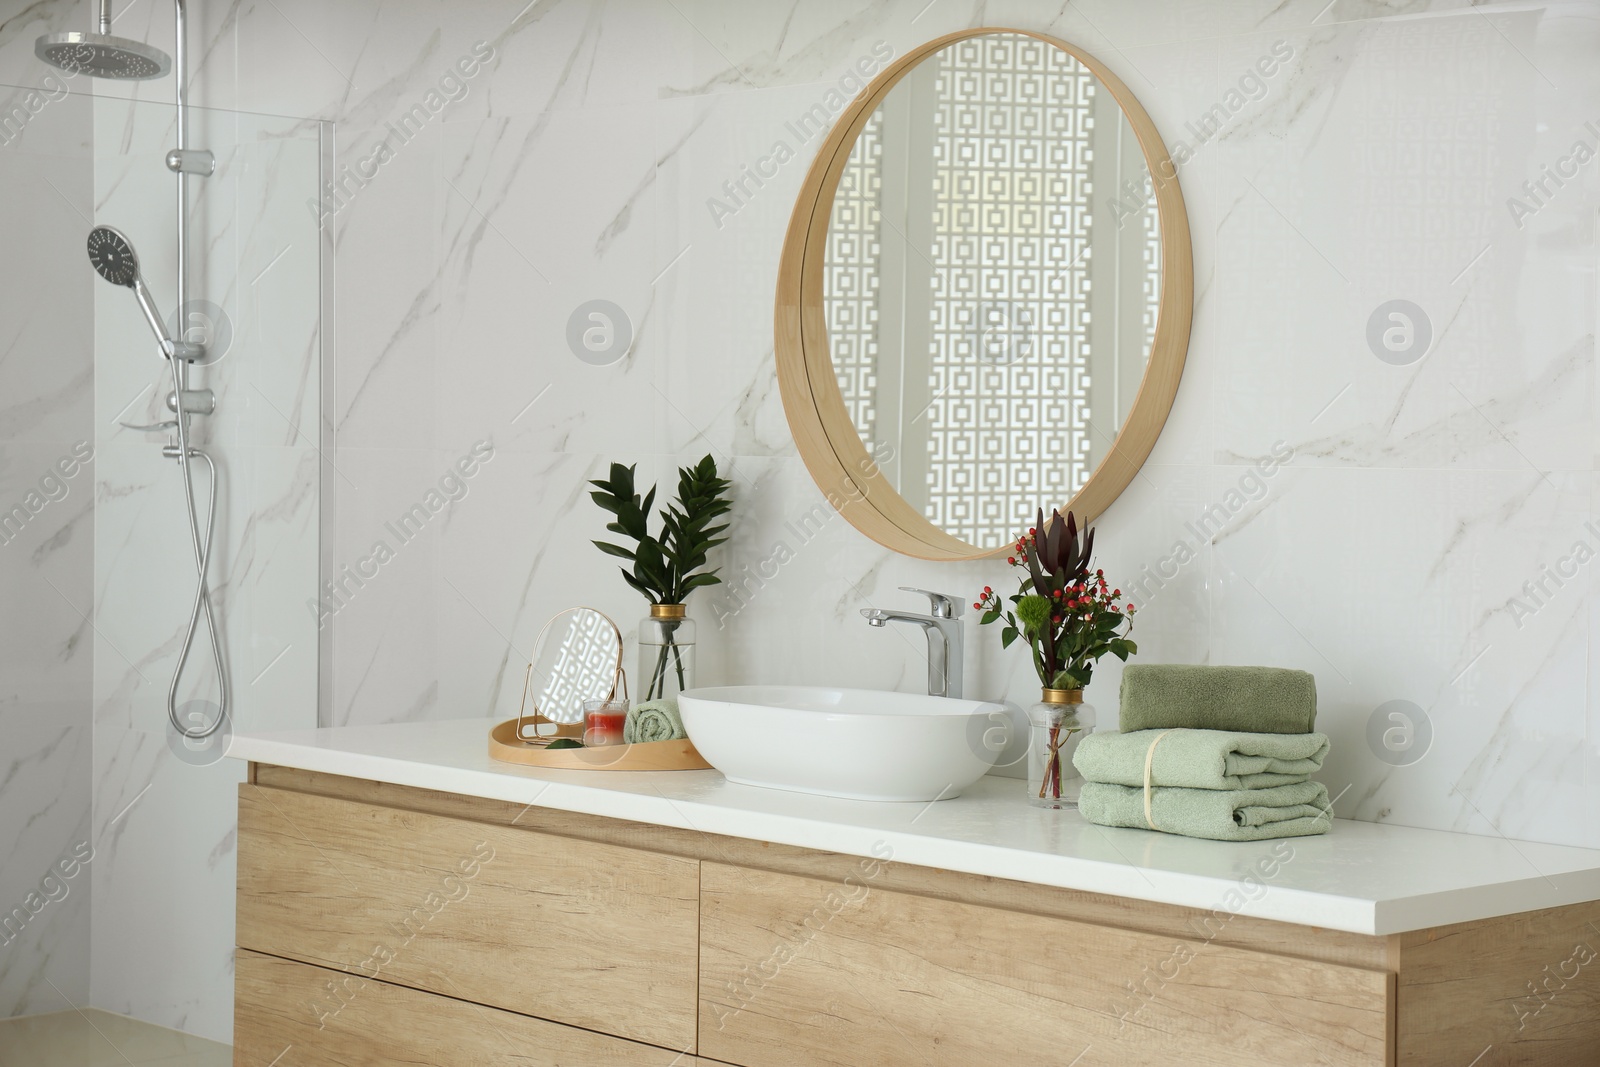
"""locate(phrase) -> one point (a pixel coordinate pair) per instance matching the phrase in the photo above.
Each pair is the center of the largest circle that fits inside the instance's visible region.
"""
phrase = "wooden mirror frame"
(823, 431)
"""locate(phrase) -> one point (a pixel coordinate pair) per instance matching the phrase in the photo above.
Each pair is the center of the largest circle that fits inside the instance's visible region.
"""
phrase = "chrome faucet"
(943, 628)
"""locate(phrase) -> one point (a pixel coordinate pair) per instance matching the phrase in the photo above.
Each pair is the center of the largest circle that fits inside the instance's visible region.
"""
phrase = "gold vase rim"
(668, 611)
(1062, 696)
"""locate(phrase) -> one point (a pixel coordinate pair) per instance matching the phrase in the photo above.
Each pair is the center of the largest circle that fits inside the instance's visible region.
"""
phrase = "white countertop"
(1361, 877)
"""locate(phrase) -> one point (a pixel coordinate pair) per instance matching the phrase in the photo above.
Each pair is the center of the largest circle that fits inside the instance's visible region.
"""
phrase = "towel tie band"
(1149, 765)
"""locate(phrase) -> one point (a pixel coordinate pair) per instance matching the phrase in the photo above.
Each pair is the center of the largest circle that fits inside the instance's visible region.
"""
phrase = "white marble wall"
(46, 561)
(1388, 555)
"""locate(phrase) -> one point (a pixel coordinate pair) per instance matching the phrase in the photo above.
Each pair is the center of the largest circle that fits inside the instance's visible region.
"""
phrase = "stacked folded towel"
(1202, 759)
(1217, 752)
(1257, 700)
(1205, 783)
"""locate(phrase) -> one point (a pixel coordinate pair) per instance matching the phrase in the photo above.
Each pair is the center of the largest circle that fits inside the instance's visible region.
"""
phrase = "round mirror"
(575, 658)
(985, 297)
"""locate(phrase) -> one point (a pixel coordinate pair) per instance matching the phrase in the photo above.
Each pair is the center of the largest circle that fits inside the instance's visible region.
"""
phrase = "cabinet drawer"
(294, 1015)
(589, 934)
(795, 970)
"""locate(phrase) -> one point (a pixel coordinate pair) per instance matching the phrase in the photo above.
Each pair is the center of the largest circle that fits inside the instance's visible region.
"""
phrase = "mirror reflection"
(992, 281)
(575, 658)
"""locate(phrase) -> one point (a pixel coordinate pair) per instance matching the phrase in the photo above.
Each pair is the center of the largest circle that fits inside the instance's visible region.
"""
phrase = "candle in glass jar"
(603, 722)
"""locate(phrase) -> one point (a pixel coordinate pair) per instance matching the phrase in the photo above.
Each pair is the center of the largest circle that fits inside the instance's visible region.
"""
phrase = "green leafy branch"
(666, 567)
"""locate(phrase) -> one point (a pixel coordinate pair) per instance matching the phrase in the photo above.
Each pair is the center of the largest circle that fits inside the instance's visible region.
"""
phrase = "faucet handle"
(944, 607)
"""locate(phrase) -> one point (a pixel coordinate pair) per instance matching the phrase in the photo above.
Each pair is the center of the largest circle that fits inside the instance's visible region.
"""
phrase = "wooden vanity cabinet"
(577, 932)
(379, 924)
(379, 1024)
(897, 977)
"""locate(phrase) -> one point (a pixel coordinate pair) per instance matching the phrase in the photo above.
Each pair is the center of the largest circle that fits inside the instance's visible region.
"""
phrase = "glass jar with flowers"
(1070, 617)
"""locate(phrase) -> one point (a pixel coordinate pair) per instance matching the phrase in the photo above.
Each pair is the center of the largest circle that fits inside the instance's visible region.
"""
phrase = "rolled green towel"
(1256, 700)
(1217, 814)
(653, 720)
(1201, 759)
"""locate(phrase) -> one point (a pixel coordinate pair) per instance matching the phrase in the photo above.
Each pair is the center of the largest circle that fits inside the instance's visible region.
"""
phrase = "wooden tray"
(505, 746)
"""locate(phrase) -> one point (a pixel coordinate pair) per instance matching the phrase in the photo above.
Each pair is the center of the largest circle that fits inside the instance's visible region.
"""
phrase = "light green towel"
(1218, 814)
(1256, 700)
(1201, 759)
(653, 720)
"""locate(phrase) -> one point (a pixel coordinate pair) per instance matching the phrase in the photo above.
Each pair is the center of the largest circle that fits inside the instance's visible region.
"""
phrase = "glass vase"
(666, 653)
(1058, 722)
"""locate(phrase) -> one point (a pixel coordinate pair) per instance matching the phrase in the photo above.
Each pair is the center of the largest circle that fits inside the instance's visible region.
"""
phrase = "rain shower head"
(101, 55)
(115, 260)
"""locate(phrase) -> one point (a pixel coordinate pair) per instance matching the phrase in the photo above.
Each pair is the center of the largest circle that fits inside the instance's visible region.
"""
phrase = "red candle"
(603, 727)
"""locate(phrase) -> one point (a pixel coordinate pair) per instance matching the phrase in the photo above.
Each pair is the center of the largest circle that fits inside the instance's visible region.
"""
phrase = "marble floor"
(94, 1038)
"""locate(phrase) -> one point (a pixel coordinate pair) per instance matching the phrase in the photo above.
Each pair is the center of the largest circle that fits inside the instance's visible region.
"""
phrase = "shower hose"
(202, 561)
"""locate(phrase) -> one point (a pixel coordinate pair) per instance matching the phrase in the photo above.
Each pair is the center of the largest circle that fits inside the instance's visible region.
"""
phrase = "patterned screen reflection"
(992, 280)
(576, 660)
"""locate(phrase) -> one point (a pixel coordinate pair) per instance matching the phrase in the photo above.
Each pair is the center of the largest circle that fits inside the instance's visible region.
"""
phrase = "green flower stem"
(658, 675)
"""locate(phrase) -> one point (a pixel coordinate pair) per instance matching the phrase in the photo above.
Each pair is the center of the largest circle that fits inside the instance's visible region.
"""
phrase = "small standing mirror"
(577, 657)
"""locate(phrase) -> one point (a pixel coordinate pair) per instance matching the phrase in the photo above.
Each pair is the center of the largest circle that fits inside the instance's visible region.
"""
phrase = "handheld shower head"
(112, 255)
(115, 260)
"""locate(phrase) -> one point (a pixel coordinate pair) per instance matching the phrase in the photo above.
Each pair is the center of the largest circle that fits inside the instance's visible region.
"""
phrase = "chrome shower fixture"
(102, 54)
(115, 260)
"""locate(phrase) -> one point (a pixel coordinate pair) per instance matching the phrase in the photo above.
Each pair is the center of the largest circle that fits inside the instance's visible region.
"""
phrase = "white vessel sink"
(861, 744)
